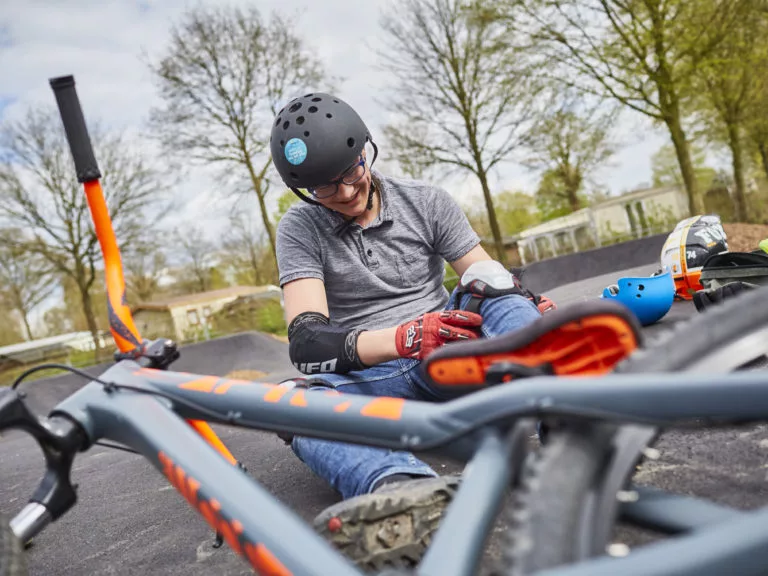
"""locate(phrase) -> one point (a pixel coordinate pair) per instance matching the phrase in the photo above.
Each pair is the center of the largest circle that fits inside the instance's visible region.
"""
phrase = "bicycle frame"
(485, 429)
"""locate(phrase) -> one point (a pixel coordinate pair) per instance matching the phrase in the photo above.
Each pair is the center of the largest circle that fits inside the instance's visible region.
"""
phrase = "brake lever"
(59, 438)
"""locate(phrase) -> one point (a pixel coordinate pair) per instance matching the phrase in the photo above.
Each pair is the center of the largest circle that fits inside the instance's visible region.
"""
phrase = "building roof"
(638, 194)
(51, 341)
(203, 297)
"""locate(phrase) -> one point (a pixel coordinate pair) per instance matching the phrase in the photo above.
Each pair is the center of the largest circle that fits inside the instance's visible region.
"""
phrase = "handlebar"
(121, 323)
(74, 126)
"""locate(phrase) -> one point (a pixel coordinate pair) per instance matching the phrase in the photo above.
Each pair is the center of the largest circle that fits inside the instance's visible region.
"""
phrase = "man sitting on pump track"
(361, 266)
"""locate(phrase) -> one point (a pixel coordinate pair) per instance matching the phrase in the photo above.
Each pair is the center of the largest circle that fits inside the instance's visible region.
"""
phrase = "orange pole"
(121, 324)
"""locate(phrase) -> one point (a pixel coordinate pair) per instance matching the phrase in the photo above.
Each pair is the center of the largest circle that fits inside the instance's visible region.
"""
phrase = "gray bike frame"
(487, 429)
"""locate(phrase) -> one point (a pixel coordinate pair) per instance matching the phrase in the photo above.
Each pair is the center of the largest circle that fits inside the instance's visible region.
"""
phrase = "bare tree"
(39, 193)
(144, 265)
(225, 75)
(26, 278)
(640, 53)
(198, 254)
(570, 142)
(246, 248)
(452, 108)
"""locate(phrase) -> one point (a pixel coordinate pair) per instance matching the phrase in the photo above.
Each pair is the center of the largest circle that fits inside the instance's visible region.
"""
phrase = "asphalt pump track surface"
(129, 520)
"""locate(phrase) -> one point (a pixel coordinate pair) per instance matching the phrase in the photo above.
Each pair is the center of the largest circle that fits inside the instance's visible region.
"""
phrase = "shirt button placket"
(370, 259)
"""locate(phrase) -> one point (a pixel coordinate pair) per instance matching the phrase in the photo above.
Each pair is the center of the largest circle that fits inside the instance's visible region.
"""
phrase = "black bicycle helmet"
(315, 138)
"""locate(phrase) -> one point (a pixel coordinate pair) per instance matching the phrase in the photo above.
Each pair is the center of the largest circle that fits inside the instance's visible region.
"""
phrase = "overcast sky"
(102, 42)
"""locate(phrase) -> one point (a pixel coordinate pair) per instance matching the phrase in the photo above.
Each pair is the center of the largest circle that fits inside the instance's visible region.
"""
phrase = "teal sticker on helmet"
(295, 151)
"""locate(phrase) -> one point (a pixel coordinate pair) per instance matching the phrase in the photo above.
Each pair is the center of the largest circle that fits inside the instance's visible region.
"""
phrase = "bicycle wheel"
(567, 503)
(13, 561)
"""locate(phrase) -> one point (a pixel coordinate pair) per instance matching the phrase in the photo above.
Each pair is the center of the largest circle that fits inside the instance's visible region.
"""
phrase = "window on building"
(192, 317)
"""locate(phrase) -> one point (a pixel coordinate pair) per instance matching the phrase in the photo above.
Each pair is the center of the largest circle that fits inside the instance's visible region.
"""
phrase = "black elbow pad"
(316, 347)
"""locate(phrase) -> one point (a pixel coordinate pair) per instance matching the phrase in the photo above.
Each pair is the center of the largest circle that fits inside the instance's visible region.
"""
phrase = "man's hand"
(419, 337)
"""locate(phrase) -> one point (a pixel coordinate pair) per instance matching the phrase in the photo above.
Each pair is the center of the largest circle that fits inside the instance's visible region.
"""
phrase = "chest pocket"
(414, 267)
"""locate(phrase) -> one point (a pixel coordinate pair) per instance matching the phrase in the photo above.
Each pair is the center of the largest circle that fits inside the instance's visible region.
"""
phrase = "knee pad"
(489, 279)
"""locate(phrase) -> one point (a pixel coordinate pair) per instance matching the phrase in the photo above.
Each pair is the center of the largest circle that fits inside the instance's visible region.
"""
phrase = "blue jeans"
(353, 469)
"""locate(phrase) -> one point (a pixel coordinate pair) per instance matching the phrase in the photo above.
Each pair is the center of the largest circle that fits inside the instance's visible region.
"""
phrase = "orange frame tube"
(121, 323)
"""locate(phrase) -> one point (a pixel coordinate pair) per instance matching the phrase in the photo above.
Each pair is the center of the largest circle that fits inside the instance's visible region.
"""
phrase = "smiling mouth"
(353, 199)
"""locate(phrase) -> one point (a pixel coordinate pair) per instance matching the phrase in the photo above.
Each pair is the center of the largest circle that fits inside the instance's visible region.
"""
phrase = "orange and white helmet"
(687, 247)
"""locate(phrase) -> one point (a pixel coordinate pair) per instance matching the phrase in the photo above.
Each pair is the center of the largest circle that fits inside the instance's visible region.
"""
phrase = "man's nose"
(346, 191)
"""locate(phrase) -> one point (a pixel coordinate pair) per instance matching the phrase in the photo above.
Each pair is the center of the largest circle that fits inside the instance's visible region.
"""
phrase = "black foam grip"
(75, 128)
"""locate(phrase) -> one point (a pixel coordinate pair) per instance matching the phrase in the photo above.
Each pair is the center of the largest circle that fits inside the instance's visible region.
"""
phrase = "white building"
(632, 215)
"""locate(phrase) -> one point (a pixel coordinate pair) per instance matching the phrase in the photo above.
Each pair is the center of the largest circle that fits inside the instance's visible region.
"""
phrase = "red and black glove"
(543, 303)
(419, 337)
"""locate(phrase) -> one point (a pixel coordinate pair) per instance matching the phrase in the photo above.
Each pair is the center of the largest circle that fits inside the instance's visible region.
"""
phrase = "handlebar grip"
(75, 128)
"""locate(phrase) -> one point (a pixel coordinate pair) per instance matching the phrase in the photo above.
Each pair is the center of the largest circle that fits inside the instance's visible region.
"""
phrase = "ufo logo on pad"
(295, 151)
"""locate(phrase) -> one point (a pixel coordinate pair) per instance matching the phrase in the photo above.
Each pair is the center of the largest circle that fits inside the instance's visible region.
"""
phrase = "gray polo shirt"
(385, 274)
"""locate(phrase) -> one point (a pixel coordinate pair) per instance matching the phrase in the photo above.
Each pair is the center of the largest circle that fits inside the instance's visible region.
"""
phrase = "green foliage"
(262, 314)
(284, 201)
(552, 200)
(515, 211)
(665, 168)
(569, 144)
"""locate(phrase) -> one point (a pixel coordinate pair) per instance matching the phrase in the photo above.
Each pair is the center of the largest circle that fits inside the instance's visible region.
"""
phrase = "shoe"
(390, 527)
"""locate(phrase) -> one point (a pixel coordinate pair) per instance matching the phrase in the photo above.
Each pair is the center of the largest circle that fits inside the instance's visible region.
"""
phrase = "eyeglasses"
(350, 176)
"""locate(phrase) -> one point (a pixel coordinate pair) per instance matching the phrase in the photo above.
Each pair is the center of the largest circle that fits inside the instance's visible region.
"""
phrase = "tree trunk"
(25, 319)
(258, 182)
(201, 279)
(762, 148)
(499, 244)
(254, 264)
(739, 197)
(683, 152)
(90, 317)
(572, 181)
(17, 301)
(670, 109)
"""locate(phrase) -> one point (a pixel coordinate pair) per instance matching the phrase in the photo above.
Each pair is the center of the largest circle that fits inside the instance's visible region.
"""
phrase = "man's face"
(350, 199)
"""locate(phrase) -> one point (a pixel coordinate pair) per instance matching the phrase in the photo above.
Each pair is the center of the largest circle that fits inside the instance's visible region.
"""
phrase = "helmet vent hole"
(312, 109)
(329, 115)
(638, 295)
(317, 99)
(282, 143)
(294, 107)
(300, 120)
(286, 124)
(337, 102)
(641, 287)
(294, 175)
(277, 122)
(308, 95)
(306, 133)
(351, 142)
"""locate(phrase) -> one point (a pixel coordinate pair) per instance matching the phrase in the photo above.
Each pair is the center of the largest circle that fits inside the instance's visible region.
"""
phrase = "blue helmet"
(649, 299)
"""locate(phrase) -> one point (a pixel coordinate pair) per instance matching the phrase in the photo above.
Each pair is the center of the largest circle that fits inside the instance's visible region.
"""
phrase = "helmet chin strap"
(372, 187)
